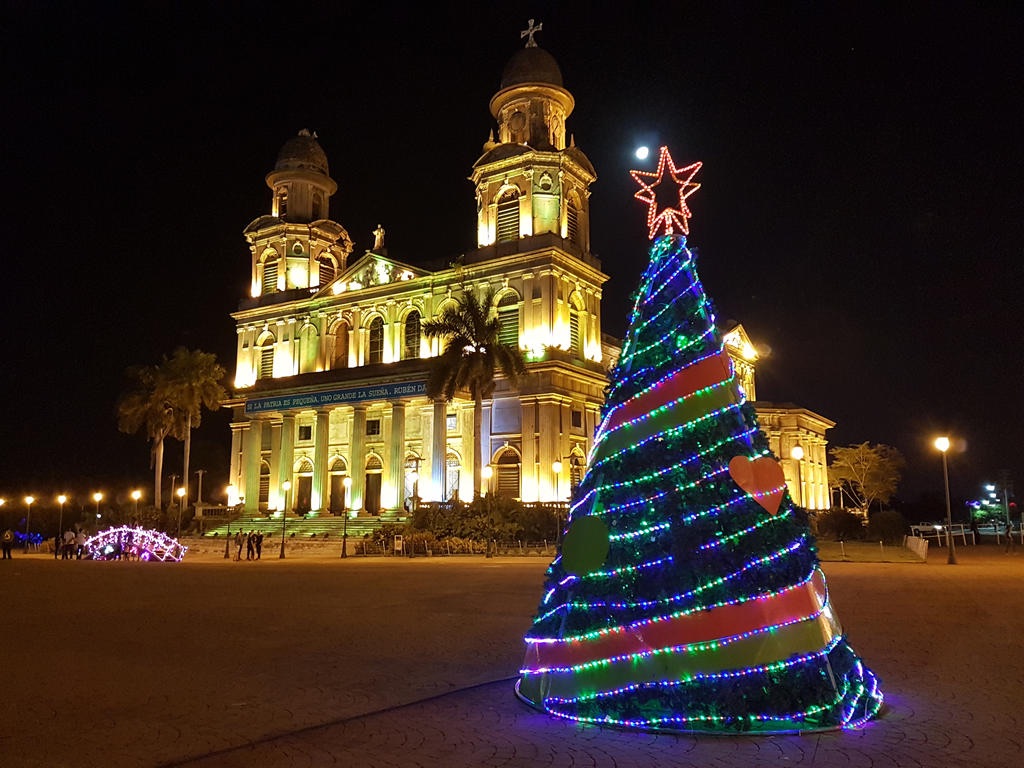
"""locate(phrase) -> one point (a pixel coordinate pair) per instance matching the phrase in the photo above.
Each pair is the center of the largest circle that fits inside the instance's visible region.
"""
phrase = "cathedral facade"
(330, 413)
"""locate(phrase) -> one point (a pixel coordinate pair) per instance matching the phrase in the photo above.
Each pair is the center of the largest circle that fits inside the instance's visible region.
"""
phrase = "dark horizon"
(856, 213)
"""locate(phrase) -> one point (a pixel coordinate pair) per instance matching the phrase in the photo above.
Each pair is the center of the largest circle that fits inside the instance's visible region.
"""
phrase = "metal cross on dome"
(669, 218)
(529, 32)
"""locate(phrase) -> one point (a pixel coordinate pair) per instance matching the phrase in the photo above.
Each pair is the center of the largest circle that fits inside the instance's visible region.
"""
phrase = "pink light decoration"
(669, 218)
(128, 543)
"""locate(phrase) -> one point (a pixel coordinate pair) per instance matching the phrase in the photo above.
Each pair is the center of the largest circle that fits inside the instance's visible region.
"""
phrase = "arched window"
(411, 493)
(374, 475)
(303, 486)
(282, 201)
(340, 346)
(318, 204)
(411, 337)
(264, 499)
(572, 220)
(577, 464)
(326, 268)
(265, 359)
(575, 336)
(375, 350)
(507, 471)
(508, 217)
(452, 470)
(309, 346)
(338, 472)
(508, 320)
(270, 274)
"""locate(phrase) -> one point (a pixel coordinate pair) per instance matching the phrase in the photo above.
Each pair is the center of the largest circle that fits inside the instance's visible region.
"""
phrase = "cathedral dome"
(531, 65)
(302, 153)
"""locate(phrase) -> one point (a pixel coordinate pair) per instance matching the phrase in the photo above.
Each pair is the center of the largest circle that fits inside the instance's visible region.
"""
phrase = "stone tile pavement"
(315, 661)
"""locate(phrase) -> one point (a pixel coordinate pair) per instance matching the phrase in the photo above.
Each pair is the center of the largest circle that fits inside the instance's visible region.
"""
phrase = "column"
(287, 462)
(438, 450)
(274, 490)
(357, 463)
(321, 440)
(235, 472)
(548, 430)
(485, 437)
(528, 490)
(547, 306)
(252, 445)
(394, 472)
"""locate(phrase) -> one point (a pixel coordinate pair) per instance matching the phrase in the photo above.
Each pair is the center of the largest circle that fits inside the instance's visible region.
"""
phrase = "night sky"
(860, 214)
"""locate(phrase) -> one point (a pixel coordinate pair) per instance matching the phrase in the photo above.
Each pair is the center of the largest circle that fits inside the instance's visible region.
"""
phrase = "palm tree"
(167, 400)
(194, 382)
(146, 407)
(471, 356)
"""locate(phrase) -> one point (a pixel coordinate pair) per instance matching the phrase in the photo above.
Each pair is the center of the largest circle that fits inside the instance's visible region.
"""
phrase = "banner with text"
(336, 397)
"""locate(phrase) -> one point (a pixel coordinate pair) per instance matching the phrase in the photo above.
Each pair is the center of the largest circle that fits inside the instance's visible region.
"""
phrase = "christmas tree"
(686, 595)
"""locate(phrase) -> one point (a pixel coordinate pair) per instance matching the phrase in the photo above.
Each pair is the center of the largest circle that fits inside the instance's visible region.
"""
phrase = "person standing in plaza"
(250, 545)
(7, 540)
(68, 549)
(259, 544)
(238, 543)
(1011, 545)
(80, 540)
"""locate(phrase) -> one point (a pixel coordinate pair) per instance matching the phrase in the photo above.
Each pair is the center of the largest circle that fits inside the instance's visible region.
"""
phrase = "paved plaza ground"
(317, 661)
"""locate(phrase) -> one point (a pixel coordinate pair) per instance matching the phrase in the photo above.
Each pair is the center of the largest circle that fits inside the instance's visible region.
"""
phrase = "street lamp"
(97, 497)
(227, 539)
(286, 486)
(942, 444)
(136, 495)
(28, 503)
(488, 473)
(181, 503)
(346, 481)
(797, 454)
(60, 525)
(556, 467)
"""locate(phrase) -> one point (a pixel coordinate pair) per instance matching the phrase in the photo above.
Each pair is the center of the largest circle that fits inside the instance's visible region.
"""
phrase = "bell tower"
(530, 182)
(297, 245)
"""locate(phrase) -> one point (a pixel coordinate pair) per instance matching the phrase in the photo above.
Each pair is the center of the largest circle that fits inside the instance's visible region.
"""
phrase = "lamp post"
(199, 485)
(942, 444)
(136, 495)
(181, 503)
(60, 525)
(346, 482)
(97, 497)
(488, 473)
(556, 468)
(286, 486)
(28, 520)
(227, 538)
(797, 454)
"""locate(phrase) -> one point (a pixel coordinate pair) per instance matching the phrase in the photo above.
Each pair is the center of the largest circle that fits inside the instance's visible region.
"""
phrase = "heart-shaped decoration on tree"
(762, 478)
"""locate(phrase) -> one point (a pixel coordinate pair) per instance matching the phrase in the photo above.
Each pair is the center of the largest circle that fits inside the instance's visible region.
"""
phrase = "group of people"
(70, 546)
(253, 542)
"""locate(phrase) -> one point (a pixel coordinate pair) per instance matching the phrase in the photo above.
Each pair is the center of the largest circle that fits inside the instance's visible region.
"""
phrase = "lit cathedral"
(329, 386)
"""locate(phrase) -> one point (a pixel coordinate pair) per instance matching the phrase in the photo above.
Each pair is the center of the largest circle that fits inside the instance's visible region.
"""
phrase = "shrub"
(840, 524)
(384, 535)
(888, 526)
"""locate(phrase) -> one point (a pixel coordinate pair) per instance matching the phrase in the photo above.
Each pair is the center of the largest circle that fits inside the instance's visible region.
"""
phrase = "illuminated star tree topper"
(669, 218)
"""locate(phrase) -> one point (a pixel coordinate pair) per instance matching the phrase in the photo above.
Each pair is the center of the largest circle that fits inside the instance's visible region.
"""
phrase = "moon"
(642, 153)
